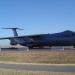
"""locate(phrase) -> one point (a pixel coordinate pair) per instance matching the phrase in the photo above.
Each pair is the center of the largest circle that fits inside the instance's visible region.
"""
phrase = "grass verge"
(18, 72)
(44, 57)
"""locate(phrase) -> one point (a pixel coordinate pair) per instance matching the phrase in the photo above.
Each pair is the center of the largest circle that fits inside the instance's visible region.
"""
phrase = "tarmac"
(38, 67)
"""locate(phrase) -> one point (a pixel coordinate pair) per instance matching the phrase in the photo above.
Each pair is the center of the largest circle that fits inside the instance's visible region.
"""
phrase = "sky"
(36, 16)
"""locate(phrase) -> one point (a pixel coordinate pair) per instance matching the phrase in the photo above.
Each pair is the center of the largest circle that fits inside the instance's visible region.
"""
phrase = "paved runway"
(31, 67)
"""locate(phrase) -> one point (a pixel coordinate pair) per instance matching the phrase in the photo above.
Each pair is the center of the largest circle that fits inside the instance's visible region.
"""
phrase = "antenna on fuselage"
(14, 30)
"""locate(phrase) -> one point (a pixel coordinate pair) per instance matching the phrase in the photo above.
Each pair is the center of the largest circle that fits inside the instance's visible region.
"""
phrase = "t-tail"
(14, 30)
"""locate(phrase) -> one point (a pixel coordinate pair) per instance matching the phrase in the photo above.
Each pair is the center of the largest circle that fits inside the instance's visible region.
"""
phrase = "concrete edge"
(2, 62)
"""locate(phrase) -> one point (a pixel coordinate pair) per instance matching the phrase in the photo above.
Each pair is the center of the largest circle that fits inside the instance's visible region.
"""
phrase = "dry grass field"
(18, 72)
(46, 57)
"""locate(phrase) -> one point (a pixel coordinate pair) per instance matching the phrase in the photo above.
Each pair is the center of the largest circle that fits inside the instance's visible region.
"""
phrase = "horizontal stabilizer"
(13, 28)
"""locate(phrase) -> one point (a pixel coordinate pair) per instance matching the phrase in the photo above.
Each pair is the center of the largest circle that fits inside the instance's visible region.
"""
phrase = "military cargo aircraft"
(65, 38)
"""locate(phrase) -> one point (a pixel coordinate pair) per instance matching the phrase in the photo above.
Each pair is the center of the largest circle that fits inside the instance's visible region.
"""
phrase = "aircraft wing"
(13, 37)
(29, 36)
(6, 38)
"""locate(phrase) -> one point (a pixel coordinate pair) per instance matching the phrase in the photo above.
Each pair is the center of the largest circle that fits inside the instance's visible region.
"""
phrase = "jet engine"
(12, 42)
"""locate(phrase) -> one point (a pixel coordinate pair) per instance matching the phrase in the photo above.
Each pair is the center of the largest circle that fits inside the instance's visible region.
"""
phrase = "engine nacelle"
(12, 42)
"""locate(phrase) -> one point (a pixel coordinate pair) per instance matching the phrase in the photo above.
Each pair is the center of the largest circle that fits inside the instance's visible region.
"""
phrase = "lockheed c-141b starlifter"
(65, 38)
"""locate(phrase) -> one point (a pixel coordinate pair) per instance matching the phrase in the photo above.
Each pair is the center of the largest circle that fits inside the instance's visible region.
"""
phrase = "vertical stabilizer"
(14, 31)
